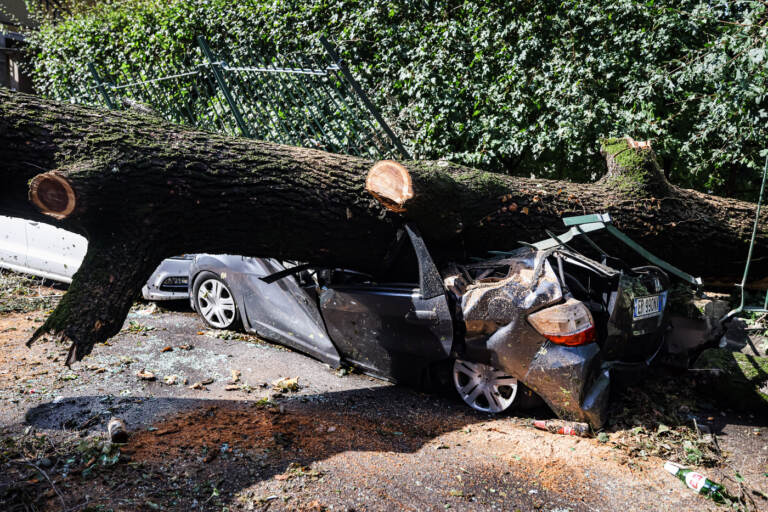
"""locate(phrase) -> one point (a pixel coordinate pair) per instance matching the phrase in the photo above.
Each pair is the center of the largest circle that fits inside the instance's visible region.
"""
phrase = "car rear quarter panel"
(567, 378)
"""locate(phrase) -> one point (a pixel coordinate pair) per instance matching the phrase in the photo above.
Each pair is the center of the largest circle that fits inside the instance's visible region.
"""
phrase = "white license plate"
(646, 307)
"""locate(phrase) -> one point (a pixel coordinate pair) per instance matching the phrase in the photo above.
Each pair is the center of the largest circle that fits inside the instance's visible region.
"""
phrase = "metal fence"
(308, 100)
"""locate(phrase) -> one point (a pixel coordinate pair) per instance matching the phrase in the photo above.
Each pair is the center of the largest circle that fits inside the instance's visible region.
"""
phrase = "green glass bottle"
(698, 482)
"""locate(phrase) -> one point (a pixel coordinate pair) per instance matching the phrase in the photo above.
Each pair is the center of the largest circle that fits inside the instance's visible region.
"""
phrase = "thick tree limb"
(142, 190)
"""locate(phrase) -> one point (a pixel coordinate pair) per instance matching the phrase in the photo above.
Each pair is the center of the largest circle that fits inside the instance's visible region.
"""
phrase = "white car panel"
(40, 249)
(54, 251)
(13, 243)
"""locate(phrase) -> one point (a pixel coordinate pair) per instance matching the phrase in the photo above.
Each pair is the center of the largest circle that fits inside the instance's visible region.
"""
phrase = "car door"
(282, 310)
(13, 243)
(52, 252)
(392, 330)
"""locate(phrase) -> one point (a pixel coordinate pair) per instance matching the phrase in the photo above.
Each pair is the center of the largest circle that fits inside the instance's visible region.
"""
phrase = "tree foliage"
(517, 86)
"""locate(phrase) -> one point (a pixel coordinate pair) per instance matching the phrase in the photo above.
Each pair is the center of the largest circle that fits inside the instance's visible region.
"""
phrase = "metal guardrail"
(311, 100)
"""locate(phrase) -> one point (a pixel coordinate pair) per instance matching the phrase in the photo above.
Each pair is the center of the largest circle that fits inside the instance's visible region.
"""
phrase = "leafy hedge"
(520, 86)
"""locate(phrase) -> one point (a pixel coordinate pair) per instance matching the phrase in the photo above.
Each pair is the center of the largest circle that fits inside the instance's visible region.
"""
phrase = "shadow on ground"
(207, 454)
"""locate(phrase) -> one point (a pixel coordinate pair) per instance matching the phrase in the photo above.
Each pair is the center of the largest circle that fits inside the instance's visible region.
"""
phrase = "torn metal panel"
(529, 283)
(560, 375)
(393, 330)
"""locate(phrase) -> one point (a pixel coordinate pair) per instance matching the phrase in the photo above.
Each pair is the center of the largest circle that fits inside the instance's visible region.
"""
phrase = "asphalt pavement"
(214, 432)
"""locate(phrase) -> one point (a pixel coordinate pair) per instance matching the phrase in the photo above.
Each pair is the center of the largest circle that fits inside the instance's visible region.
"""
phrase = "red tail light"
(572, 340)
(567, 324)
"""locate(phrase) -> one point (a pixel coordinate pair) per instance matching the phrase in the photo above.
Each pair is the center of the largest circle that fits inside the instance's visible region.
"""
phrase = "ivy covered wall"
(517, 86)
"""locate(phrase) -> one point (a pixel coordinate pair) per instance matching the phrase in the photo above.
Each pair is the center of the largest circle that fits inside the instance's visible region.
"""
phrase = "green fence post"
(363, 97)
(224, 89)
(100, 87)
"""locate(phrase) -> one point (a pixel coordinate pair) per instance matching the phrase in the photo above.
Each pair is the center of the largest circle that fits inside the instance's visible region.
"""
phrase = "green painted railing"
(309, 100)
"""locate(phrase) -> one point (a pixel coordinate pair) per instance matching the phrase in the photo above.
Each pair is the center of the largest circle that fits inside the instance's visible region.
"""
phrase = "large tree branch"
(142, 190)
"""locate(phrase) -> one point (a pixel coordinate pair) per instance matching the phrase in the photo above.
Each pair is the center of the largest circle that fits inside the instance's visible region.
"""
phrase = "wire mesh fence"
(308, 100)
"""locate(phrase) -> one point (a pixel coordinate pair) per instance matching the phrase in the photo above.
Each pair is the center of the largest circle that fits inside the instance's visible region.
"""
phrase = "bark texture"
(143, 190)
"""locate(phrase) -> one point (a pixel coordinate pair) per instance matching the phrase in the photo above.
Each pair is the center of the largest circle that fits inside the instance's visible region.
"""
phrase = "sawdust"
(17, 362)
(254, 427)
(566, 463)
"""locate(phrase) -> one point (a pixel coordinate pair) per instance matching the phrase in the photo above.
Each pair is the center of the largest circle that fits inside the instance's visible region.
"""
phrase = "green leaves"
(527, 88)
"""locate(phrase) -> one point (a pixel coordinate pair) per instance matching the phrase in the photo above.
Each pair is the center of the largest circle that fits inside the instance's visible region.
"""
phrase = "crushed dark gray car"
(544, 318)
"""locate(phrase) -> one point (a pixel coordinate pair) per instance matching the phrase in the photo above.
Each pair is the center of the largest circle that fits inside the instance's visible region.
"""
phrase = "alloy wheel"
(483, 387)
(216, 303)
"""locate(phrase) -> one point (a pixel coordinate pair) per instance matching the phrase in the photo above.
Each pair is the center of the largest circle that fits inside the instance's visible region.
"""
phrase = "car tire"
(214, 301)
(483, 387)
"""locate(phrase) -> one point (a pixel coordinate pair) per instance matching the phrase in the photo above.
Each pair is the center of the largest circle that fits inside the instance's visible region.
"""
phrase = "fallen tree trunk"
(142, 190)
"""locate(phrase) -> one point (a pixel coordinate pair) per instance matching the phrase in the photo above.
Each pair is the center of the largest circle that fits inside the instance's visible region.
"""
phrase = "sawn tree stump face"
(141, 190)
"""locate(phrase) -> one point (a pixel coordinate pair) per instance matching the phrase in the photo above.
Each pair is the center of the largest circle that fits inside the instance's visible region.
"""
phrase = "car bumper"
(156, 289)
(572, 382)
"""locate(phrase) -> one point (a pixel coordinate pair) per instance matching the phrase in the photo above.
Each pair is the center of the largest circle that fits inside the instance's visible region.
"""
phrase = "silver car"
(170, 280)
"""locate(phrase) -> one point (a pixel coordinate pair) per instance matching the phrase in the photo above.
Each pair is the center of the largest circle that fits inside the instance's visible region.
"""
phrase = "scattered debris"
(118, 432)
(207, 381)
(145, 375)
(171, 380)
(167, 349)
(657, 419)
(186, 347)
(224, 334)
(165, 432)
(235, 376)
(197, 385)
(286, 385)
(343, 371)
(135, 327)
(297, 470)
(21, 293)
(93, 420)
(151, 309)
(566, 428)
(231, 387)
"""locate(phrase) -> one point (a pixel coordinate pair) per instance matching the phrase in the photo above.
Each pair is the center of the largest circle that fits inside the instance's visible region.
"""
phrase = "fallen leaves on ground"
(286, 385)
(145, 375)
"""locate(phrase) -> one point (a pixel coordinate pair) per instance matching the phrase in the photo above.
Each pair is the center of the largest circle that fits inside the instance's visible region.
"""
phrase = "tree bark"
(141, 190)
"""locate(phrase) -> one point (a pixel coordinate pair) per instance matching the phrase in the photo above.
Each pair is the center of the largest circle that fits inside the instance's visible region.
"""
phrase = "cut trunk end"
(52, 194)
(390, 183)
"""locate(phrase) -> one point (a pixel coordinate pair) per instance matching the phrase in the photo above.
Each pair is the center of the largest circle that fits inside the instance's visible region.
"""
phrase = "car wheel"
(214, 301)
(483, 387)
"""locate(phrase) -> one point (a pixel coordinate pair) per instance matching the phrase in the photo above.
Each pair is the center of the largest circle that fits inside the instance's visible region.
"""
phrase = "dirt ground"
(211, 432)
